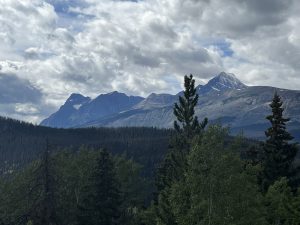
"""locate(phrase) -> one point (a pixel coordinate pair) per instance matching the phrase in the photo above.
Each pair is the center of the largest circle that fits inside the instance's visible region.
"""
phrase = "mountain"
(220, 83)
(64, 117)
(79, 110)
(156, 101)
(224, 99)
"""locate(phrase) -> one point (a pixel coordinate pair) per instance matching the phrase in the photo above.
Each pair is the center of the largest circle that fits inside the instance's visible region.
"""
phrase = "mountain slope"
(220, 83)
(64, 117)
(156, 101)
(224, 99)
(243, 110)
(79, 109)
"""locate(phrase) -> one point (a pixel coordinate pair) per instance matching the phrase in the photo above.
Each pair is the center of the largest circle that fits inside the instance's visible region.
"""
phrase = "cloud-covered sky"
(50, 49)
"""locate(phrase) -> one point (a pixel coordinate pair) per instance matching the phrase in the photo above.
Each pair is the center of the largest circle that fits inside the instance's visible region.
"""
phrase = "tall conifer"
(185, 110)
(174, 165)
(279, 153)
(101, 203)
(43, 209)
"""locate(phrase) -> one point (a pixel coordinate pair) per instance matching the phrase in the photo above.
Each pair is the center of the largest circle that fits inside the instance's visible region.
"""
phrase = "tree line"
(21, 143)
(205, 177)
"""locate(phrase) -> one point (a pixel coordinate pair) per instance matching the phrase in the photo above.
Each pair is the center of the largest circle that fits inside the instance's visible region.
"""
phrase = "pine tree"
(186, 127)
(43, 210)
(279, 153)
(174, 164)
(102, 200)
(185, 110)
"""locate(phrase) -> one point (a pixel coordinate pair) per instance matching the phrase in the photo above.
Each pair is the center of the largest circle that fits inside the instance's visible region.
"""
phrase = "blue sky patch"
(225, 48)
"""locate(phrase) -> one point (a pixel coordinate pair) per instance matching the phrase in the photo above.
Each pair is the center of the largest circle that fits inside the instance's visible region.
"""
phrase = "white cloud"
(92, 46)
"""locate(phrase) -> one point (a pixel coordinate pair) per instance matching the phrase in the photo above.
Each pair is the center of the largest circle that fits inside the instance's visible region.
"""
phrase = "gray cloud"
(138, 47)
(20, 99)
(16, 90)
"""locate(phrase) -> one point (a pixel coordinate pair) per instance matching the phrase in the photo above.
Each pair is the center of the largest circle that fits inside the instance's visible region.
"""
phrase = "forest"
(194, 174)
(21, 143)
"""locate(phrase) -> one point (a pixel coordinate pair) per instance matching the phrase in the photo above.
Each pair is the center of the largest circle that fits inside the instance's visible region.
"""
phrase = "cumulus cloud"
(57, 47)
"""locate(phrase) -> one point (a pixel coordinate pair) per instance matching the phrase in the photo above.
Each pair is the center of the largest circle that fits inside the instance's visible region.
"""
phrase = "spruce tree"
(102, 200)
(185, 110)
(43, 209)
(186, 126)
(279, 153)
(174, 164)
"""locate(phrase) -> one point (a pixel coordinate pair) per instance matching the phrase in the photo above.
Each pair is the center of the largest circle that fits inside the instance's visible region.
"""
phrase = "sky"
(50, 49)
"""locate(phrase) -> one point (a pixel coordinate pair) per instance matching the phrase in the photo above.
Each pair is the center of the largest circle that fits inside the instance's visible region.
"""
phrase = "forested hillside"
(21, 142)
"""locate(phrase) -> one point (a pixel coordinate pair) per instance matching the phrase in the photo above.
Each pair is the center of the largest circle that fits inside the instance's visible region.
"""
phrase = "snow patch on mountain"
(77, 106)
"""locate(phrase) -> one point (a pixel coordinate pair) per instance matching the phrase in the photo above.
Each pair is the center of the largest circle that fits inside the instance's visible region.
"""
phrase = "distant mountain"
(224, 99)
(220, 83)
(80, 110)
(156, 101)
(65, 116)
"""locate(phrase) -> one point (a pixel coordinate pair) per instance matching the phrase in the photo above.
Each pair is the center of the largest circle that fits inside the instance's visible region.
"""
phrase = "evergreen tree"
(217, 188)
(101, 203)
(185, 110)
(43, 190)
(174, 164)
(186, 127)
(279, 153)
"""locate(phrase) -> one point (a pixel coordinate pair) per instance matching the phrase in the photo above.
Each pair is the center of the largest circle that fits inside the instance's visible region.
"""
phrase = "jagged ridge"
(223, 99)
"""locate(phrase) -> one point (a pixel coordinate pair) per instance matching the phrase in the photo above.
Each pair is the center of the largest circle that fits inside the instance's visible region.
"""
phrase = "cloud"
(58, 47)
(19, 98)
(16, 90)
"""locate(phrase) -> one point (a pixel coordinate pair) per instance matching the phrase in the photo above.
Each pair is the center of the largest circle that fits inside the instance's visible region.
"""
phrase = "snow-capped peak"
(222, 82)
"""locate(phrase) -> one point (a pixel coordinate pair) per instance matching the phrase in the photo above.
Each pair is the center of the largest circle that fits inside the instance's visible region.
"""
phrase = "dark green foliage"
(16, 196)
(43, 210)
(135, 190)
(253, 155)
(102, 198)
(30, 196)
(283, 206)
(173, 167)
(217, 188)
(21, 143)
(174, 163)
(73, 173)
(185, 110)
(279, 153)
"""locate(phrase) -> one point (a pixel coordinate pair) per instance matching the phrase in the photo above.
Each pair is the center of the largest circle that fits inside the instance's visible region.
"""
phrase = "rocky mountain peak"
(222, 82)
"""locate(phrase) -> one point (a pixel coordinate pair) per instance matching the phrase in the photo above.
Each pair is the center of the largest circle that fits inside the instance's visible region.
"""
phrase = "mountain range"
(224, 99)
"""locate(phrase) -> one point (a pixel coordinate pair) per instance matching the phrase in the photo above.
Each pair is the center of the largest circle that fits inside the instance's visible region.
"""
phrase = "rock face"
(222, 82)
(66, 115)
(224, 99)
(79, 110)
